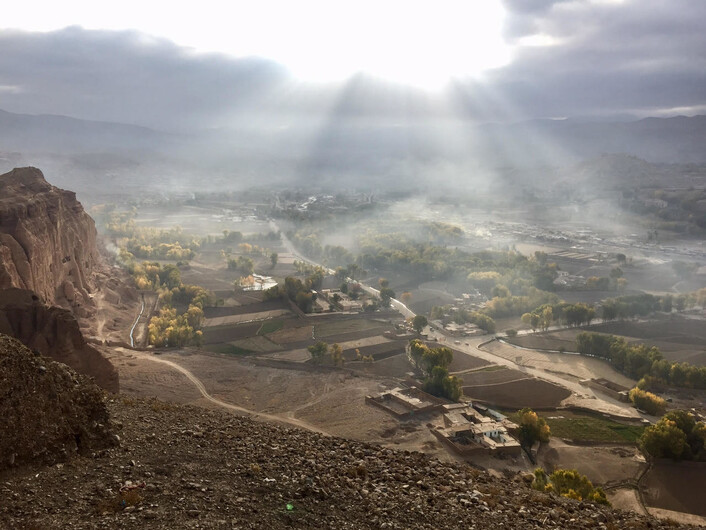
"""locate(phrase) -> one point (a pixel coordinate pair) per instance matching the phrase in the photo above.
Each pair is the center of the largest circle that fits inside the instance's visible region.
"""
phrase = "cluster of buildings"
(467, 428)
(471, 428)
(614, 390)
(566, 280)
(342, 300)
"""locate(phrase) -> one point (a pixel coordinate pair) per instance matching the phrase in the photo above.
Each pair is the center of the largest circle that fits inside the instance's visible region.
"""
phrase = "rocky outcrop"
(48, 412)
(48, 255)
(47, 240)
(53, 332)
(186, 467)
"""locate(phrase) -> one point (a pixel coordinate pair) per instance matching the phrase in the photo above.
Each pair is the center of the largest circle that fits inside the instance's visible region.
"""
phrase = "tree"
(386, 296)
(569, 483)
(354, 271)
(318, 351)
(533, 428)
(676, 435)
(664, 440)
(336, 353)
(546, 318)
(531, 319)
(419, 322)
(440, 383)
(433, 363)
(406, 297)
(274, 257)
(647, 401)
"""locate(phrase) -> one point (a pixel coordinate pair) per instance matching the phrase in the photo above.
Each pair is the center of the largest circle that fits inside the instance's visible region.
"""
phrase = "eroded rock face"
(49, 412)
(53, 332)
(47, 240)
(48, 255)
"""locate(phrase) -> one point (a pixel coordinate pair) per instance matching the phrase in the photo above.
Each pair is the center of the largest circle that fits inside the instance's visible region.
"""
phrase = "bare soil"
(626, 499)
(576, 367)
(676, 486)
(491, 377)
(602, 464)
(533, 393)
(333, 402)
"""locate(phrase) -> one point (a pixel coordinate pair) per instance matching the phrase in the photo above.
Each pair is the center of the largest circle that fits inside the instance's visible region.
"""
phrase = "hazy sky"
(172, 65)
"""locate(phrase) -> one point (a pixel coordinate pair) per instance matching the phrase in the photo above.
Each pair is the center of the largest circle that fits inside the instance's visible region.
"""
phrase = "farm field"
(676, 486)
(533, 393)
(550, 340)
(462, 362)
(492, 377)
(331, 400)
(587, 427)
(575, 366)
(679, 338)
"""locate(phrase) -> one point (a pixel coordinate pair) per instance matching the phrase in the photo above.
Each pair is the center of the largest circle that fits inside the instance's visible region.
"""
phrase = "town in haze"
(325, 265)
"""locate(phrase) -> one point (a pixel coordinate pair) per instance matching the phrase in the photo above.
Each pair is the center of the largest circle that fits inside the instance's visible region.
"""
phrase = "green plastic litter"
(290, 507)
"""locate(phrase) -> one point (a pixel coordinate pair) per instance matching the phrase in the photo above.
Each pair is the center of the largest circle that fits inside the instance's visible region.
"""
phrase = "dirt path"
(132, 330)
(289, 419)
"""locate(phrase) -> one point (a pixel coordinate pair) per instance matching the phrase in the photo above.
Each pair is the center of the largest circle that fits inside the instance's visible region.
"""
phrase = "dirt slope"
(185, 467)
(48, 412)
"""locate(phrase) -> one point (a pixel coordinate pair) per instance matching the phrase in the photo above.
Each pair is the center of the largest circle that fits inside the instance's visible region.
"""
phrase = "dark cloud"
(640, 57)
(609, 57)
(126, 76)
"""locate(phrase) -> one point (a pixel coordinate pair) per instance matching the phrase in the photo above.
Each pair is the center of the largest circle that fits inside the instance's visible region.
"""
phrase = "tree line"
(641, 362)
(181, 316)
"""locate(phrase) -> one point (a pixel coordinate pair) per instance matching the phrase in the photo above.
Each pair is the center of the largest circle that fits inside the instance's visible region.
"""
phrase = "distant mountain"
(47, 133)
(335, 149)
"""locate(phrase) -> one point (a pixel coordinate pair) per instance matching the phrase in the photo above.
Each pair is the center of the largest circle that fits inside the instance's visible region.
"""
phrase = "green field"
(594, 429)
(270, 326)
(585, 427)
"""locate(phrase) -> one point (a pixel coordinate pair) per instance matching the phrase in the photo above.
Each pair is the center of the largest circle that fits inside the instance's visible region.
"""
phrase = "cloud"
(128, 77)
(590, 58)
(631, 56)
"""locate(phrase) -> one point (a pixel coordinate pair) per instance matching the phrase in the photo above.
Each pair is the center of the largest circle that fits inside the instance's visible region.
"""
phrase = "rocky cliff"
(53, 332)
(47, 240)
(51, 273)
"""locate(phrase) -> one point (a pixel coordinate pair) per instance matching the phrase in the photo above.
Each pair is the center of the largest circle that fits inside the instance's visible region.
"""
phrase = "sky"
(210, 64)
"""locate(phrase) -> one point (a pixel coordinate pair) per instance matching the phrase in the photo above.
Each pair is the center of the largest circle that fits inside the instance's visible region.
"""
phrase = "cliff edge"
(53, 280)
(53, 332)
(47, 240)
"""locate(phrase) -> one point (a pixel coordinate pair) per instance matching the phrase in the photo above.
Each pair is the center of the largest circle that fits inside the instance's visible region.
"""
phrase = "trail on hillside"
(202, 389)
